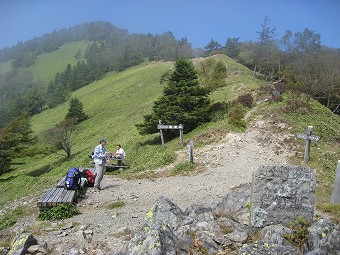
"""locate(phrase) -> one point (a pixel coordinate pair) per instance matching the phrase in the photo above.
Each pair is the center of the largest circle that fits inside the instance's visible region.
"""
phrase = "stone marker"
(336, 189)
(280, 194)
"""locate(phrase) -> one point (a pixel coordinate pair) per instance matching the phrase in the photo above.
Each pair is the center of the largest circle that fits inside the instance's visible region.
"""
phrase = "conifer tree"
(184, 102)
(76, 111)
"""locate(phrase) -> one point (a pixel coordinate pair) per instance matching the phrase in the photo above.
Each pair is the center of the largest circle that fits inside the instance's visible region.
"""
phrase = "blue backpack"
(73, 179)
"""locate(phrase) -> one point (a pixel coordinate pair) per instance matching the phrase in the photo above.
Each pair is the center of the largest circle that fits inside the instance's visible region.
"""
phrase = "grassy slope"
(47, 65)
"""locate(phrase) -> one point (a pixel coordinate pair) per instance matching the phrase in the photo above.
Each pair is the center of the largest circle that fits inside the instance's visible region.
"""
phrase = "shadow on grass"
(46, 168)
(9, 178)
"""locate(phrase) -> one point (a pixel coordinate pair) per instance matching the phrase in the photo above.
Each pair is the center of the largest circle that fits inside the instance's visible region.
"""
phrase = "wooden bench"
(56, 196)
(61, 183)
(60, 195)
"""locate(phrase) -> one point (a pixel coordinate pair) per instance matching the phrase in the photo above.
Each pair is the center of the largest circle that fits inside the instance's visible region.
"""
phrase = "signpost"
(336, 190)
(308, 137)
(160, 126)
(191, 151)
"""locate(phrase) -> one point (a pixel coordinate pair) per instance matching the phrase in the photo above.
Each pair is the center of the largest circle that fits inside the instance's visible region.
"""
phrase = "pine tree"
(184, 102)
(76, 111)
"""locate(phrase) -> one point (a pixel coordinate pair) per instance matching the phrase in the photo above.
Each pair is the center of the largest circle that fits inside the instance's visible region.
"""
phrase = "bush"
(299, 235)
(235, 116)
(297, 103)
(59, 212)
(246, 100)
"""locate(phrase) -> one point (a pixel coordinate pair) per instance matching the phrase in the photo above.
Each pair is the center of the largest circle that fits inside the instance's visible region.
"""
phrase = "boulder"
(323, 238)
(21, 243)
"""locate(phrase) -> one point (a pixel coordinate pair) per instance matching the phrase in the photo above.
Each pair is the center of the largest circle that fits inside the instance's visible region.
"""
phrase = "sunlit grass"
(47, 65)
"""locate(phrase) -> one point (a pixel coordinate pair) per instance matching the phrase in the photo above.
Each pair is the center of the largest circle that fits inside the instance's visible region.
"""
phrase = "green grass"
(47, 65)
(183, 168)
(10, 218)
(115, 204)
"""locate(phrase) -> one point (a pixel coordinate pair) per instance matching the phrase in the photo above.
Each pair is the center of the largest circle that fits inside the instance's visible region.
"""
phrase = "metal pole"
(181, 134)
(191, 152)
(336, 190)
(161, 132)
(307, 150)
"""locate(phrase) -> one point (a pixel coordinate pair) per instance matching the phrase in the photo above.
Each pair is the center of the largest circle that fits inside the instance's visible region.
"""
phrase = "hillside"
(47, 65)
(119, 100)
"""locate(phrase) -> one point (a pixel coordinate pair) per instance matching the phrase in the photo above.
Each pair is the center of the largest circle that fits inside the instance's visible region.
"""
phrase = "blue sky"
(197, 20)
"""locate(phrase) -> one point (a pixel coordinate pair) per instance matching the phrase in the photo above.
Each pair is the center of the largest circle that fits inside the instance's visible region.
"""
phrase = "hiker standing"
(99, 156)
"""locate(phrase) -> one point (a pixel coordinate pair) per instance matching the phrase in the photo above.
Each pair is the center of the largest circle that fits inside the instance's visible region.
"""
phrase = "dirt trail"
(227, 163)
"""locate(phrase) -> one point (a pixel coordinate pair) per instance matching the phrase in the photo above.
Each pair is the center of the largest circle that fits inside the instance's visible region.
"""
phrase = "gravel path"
(227, 163)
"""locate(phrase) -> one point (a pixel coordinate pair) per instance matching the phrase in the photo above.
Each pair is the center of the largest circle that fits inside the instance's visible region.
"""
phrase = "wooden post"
(161, 132)
(191, 151)
(308, 137)
(181, 134)
(307, 149)
(336, 189)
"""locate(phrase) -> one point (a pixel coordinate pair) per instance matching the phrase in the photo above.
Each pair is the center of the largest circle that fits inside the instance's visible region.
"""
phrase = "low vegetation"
(8, 219)
(59, 212)
(299, 233)
(115, 204)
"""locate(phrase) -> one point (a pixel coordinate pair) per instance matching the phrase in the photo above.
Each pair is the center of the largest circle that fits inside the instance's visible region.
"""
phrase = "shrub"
(297, 103)
(235, 116)
(59, 212)
(246, 100)
(299, 234)
(218, 110)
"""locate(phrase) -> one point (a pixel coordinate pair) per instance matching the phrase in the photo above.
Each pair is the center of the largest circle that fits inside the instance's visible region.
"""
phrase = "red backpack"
(90, 177)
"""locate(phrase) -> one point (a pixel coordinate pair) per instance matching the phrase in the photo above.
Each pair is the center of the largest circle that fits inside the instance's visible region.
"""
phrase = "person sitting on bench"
(119, 155)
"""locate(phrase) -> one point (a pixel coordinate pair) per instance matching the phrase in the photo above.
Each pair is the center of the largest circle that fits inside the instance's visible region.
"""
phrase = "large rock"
(21, 243)
(157, 236)
(280, 194)
(324, 238)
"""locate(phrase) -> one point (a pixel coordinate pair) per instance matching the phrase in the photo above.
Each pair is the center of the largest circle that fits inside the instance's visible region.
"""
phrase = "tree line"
(297, 61)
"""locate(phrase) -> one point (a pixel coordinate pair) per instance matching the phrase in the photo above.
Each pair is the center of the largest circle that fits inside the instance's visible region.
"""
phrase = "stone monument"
(280, 194)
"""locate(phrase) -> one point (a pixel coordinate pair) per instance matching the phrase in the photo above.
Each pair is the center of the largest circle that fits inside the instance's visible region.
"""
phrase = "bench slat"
(46, 197)
(61, 183)
(56, 196)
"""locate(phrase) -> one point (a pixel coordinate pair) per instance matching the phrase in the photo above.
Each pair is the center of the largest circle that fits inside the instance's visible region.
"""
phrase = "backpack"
(90, 177)
(73, 179)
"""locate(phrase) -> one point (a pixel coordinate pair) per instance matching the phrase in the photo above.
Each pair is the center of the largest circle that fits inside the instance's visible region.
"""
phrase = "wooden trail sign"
(308, 137)
(160, 126)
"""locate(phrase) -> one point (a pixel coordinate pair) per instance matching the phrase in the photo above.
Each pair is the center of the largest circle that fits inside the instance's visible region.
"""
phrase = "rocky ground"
(227, 164)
